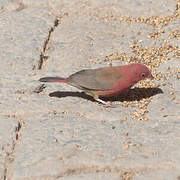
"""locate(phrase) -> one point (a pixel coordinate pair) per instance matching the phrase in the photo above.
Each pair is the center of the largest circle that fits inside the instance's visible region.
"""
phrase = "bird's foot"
(106, 104)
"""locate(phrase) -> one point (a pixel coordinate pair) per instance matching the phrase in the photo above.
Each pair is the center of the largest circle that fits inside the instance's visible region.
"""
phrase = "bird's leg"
(101, 101)
(96, 97)
(106, 104)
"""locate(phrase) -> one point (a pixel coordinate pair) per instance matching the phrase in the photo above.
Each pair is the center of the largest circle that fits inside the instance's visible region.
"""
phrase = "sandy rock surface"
(58, 132)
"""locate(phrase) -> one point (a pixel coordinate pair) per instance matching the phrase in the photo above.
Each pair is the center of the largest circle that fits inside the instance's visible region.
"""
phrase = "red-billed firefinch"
(107, 81)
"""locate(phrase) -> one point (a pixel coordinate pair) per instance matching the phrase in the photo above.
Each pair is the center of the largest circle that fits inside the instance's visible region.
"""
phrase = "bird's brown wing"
(96, 79)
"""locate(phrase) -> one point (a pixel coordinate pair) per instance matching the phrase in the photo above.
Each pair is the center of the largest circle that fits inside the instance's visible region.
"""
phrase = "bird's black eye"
(142, 75)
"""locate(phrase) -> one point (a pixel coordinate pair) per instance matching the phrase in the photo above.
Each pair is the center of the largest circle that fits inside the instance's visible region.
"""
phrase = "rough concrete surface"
(58, 132)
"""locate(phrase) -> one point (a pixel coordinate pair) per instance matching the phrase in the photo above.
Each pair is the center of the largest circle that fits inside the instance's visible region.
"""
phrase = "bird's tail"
(53, 79)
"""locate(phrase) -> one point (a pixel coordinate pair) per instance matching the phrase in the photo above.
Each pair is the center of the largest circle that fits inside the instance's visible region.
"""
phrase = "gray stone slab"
(65, 134)
(8, 132)
(68, 134)
(22, 36)
(134, 8)
(84, 41)
(58, 135)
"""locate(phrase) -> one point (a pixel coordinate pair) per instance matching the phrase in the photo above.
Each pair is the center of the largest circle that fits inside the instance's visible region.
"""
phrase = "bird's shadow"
(135, 94)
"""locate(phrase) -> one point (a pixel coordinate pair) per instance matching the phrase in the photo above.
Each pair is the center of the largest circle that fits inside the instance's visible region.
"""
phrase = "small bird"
(106, 81)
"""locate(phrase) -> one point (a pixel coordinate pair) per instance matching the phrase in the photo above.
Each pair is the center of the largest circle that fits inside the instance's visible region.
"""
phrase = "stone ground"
(60, 133)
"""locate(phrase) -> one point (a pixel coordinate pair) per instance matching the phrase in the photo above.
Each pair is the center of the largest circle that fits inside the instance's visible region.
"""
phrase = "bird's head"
(137, 72)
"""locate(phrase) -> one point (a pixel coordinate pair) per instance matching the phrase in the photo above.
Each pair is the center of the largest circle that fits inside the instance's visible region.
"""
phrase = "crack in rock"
(43, 56)
(10, 155)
